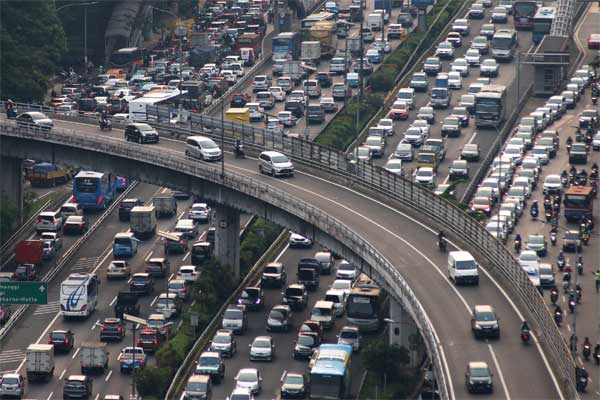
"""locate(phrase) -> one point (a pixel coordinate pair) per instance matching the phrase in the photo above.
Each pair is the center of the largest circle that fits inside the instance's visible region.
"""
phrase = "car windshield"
(460, 63)
(294, 380)
(10, 380)
(445, 45)
(261, 343)
(209, 361)
(250, 293)
(345, 267)
(340, 284)
(247, 376)
(279, 159)
(439, 93)
(481, 201)
(451, 121)
(479, 372)
(489, 63)
(176, 285)
(425, 173)
(528, 257)
(321, 312)
(485, 316)
(58, 335)
(589, 113)
(373, 141)
(196, 387)
(221, 339)
(271, 270)
(277, 315)
(348, 334)
(145, 128)
(516, 191)
(233, 314)
(535, 239)
(296, 292)
(363, 151)
(305, 340)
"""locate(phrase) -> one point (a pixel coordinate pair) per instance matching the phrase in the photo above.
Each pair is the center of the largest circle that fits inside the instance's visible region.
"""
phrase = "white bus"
(504, 44)
(79, 295)
(155, 97)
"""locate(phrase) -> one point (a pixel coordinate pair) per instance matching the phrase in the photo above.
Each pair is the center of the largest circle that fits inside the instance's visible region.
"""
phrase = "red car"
(399, 110)
(482, 204)
(594, 41)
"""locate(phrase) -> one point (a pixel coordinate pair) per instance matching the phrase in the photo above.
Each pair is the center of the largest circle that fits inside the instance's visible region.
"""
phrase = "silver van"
(202, 148)
(48, 221)
(69, 209)
(440, 97)
(275, 163)
(315, 113)
(325, 259)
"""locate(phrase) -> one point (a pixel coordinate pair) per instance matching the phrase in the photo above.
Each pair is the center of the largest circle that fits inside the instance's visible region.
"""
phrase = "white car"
(394, 165)
(388, 126)
(278, 93)
(541, 153)
(286, 118)
(275, 163)
(345, 285)
(382, 44)
(473, 57)
(414, 136)
(261, 83)
(249, 378)
(528, 259)
(404, 151)
(256, 112)
(461, 65)
(489, 67)
(445, 50)
(425, 176)
(199, 212)
(421, 124)
(345, 270)
(188, 273)
(297, 240)
(552, 184)
(328, 104)
(454, 80)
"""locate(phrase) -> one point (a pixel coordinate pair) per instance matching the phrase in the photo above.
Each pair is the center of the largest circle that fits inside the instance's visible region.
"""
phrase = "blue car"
(122, 183)
(374, 56)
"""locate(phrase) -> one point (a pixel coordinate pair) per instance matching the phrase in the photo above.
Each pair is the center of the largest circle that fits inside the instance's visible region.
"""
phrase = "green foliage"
(381, 358)
(8, 214)
(259, 237)
(33, 42)
(153, 381)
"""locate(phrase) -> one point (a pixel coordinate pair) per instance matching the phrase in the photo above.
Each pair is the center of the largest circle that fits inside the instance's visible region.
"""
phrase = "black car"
(294, 386)
(273, 275)
(295, 296)
(5, 313)
(478, 378)
(484, 322)
(141, 133)
(305, 345)
(141, 283)
(572, 241)
(309, 262)
(26, 272)
(126, 206)
(210, 235)
(76, 224)
(405, 20)
(252, 298)
(77, 386)
(295, 107)
(309, 277)
(62, 340)
(149, 340)
(279, 319)
(112, 329)
(324, 79)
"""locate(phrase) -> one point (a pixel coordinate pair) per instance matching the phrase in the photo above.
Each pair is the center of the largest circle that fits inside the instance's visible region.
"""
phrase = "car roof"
(483, 308)
(271, 153)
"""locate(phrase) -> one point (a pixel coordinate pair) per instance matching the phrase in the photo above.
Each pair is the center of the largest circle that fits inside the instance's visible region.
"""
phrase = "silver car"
(249, 378)
(350, 335)
(261, 349)
(404, 151)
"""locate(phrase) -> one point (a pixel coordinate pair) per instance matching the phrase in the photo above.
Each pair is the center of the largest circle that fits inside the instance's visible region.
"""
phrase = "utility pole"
(361, 72)
(133, 329)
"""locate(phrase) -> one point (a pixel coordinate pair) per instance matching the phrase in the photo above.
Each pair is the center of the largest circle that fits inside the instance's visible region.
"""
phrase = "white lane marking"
(62, 374)
(164, 190)
(149, 255)
(181, 215)
(95, 324)
(113, 301)
(171, 276)
(569, 327)
(108, 376)
(50, 396)
(75, 354)
(153, 301)
(500, 374)
(446, 180)
(472, 137)
(97, 396)
(186, 256)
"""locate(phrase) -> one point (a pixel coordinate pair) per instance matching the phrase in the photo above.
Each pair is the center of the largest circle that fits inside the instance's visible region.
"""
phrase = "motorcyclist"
(442, 240)
(569, 141)
(594, 167)
(597, 279)
(525, 327)
(597, 353)
(518, 242)
(573, 342)
(534, 209)
(238, 148)
(554, 294)
(582, 377)
(578, 293)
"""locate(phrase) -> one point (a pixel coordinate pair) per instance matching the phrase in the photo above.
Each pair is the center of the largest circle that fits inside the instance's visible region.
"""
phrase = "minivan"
(325, 259)
(48, 221)
(462, 267)
(338, 298)
(407, 95)
(68, 209)
(315, 113)
(275, 163)
(202, 148)
(323, 313)
(440, 97)
(158, 267)
(125, 244)
(311, 86)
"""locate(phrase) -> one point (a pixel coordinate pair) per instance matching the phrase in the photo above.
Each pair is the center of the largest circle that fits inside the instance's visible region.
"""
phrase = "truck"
(29, 252)
(440, 144)
(39, 362)
(164, 205)
(238, 115)
(127, 303)
(354, 44)
(323, 32)
(143, 221)
(384, 5)
(293, 69)
(47, 175)
(428, 156)
(93, 357)
(311, 52)
(131, 358)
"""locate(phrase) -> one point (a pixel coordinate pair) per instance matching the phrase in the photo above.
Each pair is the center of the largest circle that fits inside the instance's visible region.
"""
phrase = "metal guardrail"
(330, 226)
(184, 370)
(66, 257)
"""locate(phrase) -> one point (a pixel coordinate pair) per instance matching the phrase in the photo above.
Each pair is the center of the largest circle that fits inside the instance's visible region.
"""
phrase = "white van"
(69, 209)
(325, 258)
(407, 95)
(338, 298)
(462, 268)
(323, 313)
(202, 148)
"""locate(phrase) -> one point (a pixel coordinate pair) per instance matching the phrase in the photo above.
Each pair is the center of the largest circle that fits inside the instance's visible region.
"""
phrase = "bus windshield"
(361, 307)
(87, 185)
(327, 386)
(502, 43)
(576, 201)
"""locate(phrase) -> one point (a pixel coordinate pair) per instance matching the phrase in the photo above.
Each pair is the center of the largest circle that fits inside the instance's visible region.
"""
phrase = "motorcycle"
(517, 246)
(579, 267)
(564, 180)
(585, 238)
(587, 351)
(558, 319)
(578, 296)
(105, 124)
(442, 244)
(525, 337)
(534, 212)
(553, 238)
(560, 263)
(597, 357)
(554, 296)
(11, 113)
(594, 100)
(571, 305)
(548, 214)
(238, 151)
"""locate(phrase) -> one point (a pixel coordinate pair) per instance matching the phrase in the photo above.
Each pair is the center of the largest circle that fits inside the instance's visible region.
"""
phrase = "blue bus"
(330, 372)
(94, 190)
(542, 23)
(287, 46)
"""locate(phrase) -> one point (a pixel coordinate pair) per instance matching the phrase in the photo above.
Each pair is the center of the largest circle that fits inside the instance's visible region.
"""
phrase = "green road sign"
(23, 293)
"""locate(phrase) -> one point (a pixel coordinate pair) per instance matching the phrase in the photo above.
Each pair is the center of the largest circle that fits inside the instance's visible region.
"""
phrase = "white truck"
(40, 362)
(93, 357)
(143, 221)
(165, 205)
(311, 51)
(354, 44)
(294, 70)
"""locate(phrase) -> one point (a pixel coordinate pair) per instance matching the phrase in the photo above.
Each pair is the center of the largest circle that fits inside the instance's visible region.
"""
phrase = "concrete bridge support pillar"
(227, 239)
(11, 185)
(404, 332)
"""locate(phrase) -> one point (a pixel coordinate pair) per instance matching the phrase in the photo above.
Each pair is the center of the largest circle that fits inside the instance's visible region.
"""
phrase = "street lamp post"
(85, 56)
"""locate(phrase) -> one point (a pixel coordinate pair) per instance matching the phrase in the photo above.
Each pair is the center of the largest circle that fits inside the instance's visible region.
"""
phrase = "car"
(275, 163)
(432, 66)
(426, 113)
(482, 204)
(274, 126)
(324, 79)
(489, 67)
(141, 282)
(387, 125)
(476, 11)
(265, 99)
(394, 166)
(484, 322)
(287, 119)
(256, 112)
(125, 207)
(239, 100)
(299, 241)
(158, 267)
(240, 393)
(210, 363)
(405, 19)
(458, 169)
(478, 378)
(198, 387)
(346, 270)
(363, 65)
(200, 212)
(445, 50)
(249, 378)
(593, 41)
(48, 221)
(421, 124)
(537, 243)
(112, 329)
(294, 386)
(252, 298)
(462, 114)
(344, 285)
(340, 92)
(404, 151)
(26, 272)
(480, 43)
(295, 296)
(460, 65)
(202, 148)
(261, 83)
(399, 110)
(588, 117)
(419, 82)
(487, 30)
(141, 133)
(328, 104)
(305, 345)
(546, 273)
(224, 342)
(278, 93)
(77, 386)
(262, 349)
(279, 318)
(440, 97)
(374, 56)
(175, 243)
(499, 15)
(542, 153)
(63, 340)
(350, 335)
(118, 269)
(382, 44)
(35, 120)
(572, 241)
(454, 80)
(455, 38)
(596, 142)
(461, 25)
(5, 312)
(236, 319)
(363, 153)
(425, 176)
(273, 274)
(376, 144)
(414, 136)
(48, 250)
(180, 288)
(451, 127)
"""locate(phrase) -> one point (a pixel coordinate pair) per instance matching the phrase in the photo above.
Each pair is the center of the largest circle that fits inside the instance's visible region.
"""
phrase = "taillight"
(84, 307)
(99, 200)
(118, 329)
(49, 341)
(184, 290)
(73, 199)
(139, 342)
(102, 329)
(155, 342)
(181, 242)
(37, 220)
(66, 341)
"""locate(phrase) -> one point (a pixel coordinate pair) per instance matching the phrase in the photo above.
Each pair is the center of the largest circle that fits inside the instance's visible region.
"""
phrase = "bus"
(155, 97)
(578, 202)
(287, 46)
(542, 23)
(94, 190)
(79, 295)
(316, 17)
(127, 56)
(490, 106)
(330, 372)
(523, 13)
(504, 44)
(365, 305)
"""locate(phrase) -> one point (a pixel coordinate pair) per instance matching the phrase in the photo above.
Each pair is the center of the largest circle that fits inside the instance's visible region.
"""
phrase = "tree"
(382, 358)
(33, 42)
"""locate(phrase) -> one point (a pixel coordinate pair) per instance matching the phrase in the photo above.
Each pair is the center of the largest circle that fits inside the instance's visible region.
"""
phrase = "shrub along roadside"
(341, 131)
(212, 289)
